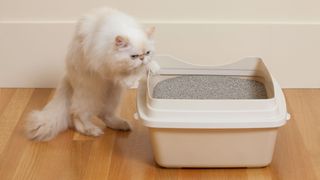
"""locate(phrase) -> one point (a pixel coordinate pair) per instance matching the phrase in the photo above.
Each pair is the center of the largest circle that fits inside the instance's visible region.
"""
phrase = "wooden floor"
(128, 155)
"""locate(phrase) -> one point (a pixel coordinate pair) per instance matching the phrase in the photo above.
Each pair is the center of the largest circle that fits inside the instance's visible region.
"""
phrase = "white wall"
(34, 35)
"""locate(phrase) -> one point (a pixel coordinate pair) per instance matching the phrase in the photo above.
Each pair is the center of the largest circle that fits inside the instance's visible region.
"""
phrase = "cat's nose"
(141, 58)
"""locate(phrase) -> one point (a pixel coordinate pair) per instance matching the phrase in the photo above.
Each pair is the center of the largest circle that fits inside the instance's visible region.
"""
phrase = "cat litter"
(209, 87)
(223, 116)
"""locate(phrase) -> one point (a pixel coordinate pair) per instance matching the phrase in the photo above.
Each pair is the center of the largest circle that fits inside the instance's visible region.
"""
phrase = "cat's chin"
(135, 68)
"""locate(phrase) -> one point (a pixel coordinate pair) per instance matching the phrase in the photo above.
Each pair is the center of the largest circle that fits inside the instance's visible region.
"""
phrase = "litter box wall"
(254, 147)
(35, 35)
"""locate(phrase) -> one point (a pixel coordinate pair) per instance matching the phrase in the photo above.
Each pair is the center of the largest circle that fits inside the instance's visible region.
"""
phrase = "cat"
(110, 51)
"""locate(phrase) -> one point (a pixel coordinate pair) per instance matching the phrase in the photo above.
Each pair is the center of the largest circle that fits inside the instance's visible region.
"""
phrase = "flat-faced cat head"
(134, 49)
(113, 43)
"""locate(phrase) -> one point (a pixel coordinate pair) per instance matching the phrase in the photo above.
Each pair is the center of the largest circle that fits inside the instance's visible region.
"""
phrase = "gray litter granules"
(209, 87)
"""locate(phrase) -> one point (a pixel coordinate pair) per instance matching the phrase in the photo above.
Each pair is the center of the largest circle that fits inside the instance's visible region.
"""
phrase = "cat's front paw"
(154, 67)
(87, 129)
(117, 124)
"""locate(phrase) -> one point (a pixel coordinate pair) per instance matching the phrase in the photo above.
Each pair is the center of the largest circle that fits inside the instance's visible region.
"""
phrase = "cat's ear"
(150, 31)
(121, 41)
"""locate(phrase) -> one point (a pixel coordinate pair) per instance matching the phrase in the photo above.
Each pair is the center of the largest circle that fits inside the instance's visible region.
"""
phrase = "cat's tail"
(54, 117)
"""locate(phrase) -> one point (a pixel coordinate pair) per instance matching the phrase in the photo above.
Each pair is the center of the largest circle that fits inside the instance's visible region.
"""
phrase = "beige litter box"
(191, 125)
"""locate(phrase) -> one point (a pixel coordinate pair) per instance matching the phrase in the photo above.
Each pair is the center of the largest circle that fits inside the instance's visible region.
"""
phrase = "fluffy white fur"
(109, 51)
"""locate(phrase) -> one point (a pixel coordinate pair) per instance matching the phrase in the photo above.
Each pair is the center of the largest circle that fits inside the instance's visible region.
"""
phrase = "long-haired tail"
(54, 117)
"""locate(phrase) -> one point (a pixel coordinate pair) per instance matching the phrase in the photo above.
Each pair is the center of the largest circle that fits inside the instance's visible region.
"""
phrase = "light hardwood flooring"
(128, 155)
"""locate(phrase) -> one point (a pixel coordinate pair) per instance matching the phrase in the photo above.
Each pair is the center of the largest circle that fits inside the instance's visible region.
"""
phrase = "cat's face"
(135, 51)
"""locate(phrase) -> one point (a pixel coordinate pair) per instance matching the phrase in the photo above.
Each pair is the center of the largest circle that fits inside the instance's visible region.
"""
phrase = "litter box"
(187, 130)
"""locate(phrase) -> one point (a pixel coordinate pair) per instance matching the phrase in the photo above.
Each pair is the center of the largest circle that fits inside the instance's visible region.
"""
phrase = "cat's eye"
(147, 53)
(134, 56)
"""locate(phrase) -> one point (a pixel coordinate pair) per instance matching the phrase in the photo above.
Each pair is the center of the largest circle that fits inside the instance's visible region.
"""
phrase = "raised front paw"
(154, 67)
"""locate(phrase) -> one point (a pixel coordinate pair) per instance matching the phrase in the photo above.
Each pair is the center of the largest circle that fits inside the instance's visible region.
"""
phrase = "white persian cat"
(109, 51)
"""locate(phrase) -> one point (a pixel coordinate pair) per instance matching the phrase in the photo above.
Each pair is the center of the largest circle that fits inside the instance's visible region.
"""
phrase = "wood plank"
(15, 147)
(98, 164)
(132, 156)
(5, 96)
(11, 114)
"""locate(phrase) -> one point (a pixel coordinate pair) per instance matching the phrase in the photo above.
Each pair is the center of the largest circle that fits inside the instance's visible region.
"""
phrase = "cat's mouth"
(145, 62)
